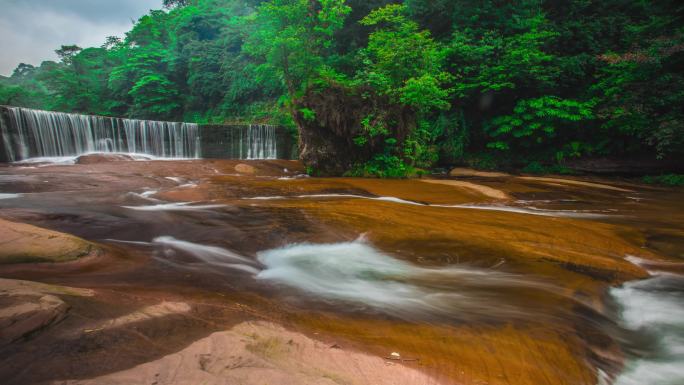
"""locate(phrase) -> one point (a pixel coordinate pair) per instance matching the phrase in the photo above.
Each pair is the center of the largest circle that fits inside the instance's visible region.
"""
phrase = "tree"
(175, 3)
(407, 65)
(67, 52)
(112, 42)
(292, 39)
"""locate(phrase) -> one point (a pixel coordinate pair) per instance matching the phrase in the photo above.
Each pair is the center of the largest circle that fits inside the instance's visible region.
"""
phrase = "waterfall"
(260, 142)
(35, 133)
(27, 133)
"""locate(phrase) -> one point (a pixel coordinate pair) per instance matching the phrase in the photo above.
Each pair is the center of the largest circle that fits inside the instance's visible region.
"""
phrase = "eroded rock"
(264, 353)
(479, 188)
(28, 307)
(22, 243)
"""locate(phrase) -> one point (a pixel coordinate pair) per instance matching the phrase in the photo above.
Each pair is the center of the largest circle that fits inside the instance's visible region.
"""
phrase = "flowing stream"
(471, 287)
(654, 308)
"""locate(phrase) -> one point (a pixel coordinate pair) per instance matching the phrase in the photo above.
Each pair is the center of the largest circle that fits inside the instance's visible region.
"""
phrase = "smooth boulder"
(22, 243)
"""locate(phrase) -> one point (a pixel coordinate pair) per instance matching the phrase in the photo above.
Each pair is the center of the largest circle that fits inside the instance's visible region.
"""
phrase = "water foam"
(178, 206)
(211, 255)
(46, 161)
(357, 273)
(145, 195)
(511, 209)
(654, 307)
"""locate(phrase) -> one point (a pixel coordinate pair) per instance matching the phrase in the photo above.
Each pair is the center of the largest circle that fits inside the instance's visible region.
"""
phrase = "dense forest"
(379, 87)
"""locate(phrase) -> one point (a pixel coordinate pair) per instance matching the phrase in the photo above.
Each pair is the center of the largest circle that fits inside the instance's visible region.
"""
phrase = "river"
(483, 280)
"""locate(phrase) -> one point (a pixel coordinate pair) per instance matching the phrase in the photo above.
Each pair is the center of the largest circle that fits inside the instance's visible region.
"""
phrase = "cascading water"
(39, 133)
(259, 142)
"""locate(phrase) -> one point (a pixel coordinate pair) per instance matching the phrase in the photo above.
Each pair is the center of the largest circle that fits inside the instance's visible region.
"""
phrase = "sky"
(31, 30)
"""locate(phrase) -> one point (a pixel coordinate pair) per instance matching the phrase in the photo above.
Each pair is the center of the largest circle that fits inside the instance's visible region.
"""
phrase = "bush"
(383, 166)
(667, 180)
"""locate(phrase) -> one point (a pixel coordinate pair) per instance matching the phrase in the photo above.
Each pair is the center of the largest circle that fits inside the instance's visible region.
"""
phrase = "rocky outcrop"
(327, 136)
(258, 353)
(22, 243)
(28, 307)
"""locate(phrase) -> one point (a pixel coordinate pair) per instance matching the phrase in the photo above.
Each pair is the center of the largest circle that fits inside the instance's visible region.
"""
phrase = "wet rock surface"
(256, 353)
(22, 243)
(27, 308)
(103, 158)
(197, 257)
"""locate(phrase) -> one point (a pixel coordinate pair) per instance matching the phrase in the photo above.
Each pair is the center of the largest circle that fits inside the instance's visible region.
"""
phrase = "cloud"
(30, 30)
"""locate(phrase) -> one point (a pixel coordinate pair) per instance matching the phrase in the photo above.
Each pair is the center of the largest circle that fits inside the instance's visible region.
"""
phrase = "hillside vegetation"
(377, 87)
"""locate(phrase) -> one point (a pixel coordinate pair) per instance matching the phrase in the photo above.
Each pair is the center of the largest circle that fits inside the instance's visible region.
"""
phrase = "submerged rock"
(103, 158)
(22, 243)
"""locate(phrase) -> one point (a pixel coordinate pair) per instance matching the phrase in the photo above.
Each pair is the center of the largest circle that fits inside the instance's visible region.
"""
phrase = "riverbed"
(478, 279)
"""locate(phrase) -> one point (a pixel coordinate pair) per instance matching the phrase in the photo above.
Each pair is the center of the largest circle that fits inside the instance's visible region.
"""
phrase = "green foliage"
(487, 83)
(383, 166)
(291, 40)
(403, 62)
(309, 115)
(490, 62)
(541, 122)
(453, 139)
(667, 180)
(67, 52)
(642, 94)
(537, 168)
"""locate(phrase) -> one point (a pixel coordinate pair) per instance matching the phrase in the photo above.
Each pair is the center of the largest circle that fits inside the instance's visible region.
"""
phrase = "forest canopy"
(526, 83)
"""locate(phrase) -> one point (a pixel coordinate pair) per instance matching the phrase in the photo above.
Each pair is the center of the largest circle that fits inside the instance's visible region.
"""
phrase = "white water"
(181, 206)
(212, 255)
(358, 274)
(145, 195)
(176, 179)
(46, 134)
(9, 196)
(260, 142)
(512, 209)
(71, 160)
(654, 307)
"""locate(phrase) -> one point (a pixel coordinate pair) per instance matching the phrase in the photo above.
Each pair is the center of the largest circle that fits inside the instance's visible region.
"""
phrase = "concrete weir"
(28, 133)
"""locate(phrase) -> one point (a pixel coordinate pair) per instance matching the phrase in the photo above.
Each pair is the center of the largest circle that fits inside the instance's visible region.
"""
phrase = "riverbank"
(471, 279)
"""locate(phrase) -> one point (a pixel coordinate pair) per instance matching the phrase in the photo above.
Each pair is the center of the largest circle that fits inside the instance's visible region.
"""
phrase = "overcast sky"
(30, 30)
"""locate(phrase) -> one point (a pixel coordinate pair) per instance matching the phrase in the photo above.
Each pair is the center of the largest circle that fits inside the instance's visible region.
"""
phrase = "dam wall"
(28, 133)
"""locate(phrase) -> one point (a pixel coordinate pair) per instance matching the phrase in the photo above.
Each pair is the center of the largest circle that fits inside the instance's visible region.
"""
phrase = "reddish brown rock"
(245, 169)
(22, 243)
(28, 307)
(103, 158)
(258, 353)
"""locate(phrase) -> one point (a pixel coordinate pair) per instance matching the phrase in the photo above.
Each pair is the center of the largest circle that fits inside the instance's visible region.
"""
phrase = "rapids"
(356, 273)
(534, 289)
(655, 308)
